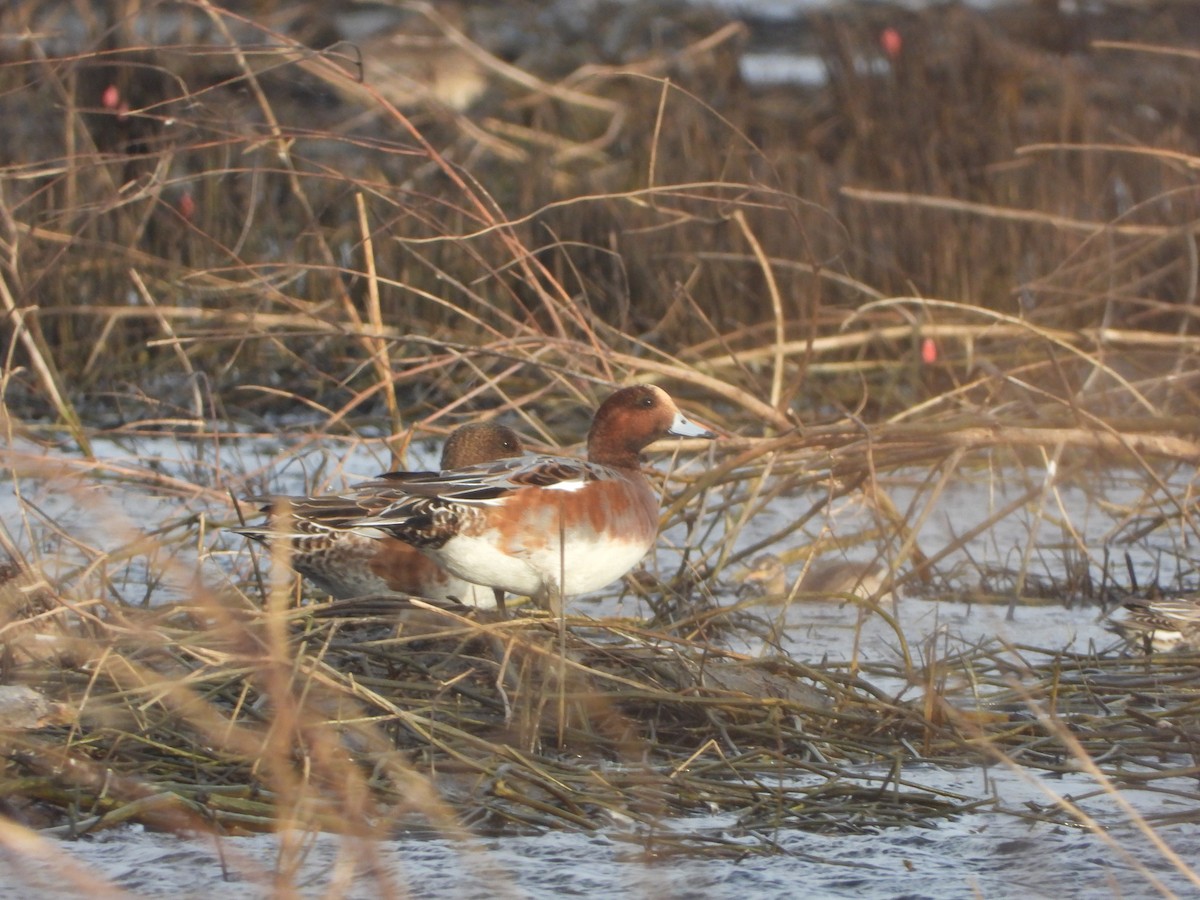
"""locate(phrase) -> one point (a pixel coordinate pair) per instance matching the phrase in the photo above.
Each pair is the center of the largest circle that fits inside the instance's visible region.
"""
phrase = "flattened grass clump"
(239, 720)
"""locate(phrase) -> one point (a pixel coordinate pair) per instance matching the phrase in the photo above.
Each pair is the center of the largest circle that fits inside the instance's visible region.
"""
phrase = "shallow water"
(994, 855)
(976, 855)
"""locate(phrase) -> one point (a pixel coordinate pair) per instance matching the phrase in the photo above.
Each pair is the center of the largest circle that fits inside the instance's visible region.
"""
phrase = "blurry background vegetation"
(250, 194)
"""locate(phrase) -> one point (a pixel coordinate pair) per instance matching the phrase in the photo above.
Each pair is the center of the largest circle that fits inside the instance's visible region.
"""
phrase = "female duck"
(349, 562)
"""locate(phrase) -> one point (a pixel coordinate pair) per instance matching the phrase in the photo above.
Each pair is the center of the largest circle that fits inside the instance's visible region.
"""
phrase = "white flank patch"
(479, 560)
(567, 486)
(587, 564)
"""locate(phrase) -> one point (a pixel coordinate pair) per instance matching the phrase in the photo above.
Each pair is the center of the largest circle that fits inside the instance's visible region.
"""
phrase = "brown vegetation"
(979, 251)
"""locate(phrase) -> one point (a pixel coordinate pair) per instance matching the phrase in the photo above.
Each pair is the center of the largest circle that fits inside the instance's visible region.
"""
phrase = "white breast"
(588, 565)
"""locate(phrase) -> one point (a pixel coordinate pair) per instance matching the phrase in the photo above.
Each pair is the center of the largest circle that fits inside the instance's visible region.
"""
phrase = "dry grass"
(967, 260)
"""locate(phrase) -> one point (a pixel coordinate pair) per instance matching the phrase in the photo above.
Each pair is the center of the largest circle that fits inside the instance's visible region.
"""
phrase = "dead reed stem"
(262, 244)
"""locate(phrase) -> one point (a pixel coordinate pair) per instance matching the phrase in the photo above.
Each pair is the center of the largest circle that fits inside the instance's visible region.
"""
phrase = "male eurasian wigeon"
(347, 561)
(540, 526)
(1160, 624)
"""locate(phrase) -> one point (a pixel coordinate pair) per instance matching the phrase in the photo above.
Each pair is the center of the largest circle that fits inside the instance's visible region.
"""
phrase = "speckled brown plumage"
(347, 561)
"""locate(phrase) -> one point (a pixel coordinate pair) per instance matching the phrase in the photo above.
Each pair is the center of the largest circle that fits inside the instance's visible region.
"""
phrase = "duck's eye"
(647, 402)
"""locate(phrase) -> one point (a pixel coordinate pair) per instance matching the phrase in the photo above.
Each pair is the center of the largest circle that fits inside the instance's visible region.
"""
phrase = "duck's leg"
(550, 598)
(499, 595)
